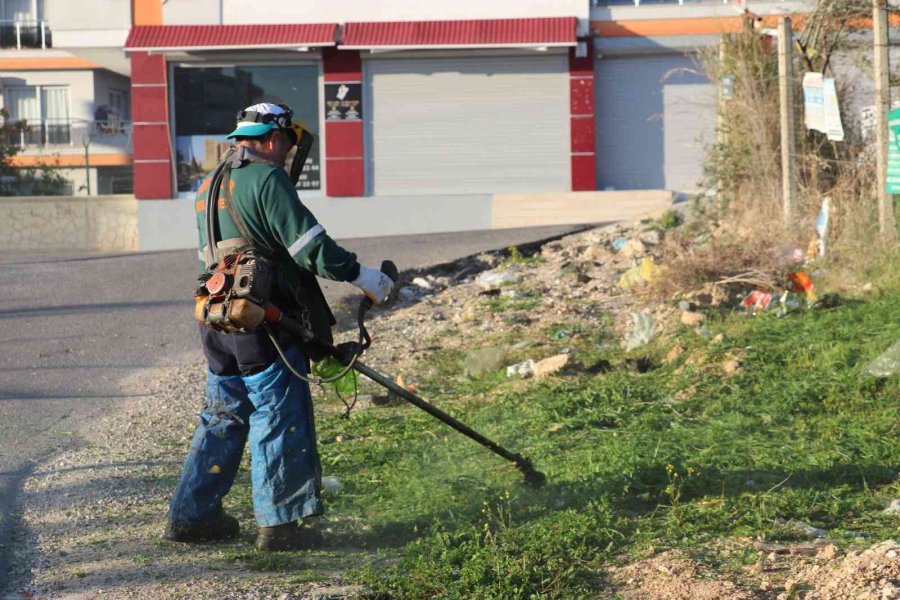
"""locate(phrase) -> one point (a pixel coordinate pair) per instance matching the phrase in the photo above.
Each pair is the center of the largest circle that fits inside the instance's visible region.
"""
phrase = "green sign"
(893, 166)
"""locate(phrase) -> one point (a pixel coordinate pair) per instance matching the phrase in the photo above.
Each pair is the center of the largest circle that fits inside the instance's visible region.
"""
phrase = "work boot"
(221, 527)
(287, 536)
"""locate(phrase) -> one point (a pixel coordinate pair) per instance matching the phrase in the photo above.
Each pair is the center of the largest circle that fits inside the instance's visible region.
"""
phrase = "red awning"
(486, 33)
(158, 38)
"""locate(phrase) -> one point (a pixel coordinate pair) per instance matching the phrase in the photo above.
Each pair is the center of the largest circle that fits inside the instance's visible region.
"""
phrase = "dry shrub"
(725, 260)
(740, 239)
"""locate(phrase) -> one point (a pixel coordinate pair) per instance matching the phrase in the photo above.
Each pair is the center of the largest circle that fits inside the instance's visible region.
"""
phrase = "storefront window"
(208, 98)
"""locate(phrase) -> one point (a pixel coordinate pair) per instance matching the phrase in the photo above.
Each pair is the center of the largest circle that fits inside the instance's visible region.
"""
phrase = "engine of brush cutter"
(235, 296)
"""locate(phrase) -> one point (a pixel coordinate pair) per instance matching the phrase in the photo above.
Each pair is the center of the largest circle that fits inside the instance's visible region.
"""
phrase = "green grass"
(527, 301)
(678, 456)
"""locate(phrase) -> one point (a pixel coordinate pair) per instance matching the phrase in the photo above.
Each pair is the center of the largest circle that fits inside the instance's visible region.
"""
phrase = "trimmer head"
(533, 477)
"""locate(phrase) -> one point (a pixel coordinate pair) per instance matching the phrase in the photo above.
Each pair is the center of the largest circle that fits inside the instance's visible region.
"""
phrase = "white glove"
(375, 284)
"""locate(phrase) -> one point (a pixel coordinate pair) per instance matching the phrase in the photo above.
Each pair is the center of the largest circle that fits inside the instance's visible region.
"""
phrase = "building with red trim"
(413, 100)
(429, 106)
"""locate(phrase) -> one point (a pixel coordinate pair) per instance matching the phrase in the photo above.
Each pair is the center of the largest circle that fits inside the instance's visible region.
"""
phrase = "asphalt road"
(71, 328)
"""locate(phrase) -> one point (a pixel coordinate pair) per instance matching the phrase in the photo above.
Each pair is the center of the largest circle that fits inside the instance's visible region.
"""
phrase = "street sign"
(893, 162)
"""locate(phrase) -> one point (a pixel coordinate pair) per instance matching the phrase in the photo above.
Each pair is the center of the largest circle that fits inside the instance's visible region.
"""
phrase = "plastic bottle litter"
(490, 280)
(642, 331)
(886, 365)
(522, 369)
(619, 243)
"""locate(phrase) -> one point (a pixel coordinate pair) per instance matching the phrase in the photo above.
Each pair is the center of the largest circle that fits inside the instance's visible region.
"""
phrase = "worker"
(251, 395)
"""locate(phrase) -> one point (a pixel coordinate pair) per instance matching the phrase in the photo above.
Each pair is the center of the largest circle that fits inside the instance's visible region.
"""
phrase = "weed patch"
(639, 454)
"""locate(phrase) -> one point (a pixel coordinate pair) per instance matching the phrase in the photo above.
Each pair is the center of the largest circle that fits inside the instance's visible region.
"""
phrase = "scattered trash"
(633, 249)
(886, 365)
(788, 302)
(522, 369)
(651, 238)
(490, 280)
(422, 283)
(822, 223)
(411, 387)
(684, 305)
(619, 243)
(407, 293)
(796, 549)
(483, 361)
(802, 283)
(893, 508)
(806, 529)
(642, 331)
(562, 334)
(332, 484)
(757, 301)
(647, 271)
(551, 365)
(692, 319)
(463, 273)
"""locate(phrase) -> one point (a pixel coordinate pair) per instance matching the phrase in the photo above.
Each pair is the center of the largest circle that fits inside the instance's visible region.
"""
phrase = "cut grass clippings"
(679, 456)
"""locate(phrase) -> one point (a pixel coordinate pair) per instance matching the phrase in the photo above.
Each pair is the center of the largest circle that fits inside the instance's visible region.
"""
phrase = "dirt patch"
(674, 575)
(872, 574)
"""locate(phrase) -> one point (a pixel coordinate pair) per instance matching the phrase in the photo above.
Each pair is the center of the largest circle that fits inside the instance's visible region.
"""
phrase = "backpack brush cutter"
(229, 302)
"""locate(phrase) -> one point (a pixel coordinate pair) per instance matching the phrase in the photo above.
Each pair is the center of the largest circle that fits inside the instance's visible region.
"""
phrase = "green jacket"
(271, 210)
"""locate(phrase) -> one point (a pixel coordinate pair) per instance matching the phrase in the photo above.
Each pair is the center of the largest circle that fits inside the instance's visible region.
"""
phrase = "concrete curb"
(123, 224)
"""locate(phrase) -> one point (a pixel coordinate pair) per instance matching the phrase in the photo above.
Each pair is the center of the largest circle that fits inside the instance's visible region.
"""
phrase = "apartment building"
(63, 71)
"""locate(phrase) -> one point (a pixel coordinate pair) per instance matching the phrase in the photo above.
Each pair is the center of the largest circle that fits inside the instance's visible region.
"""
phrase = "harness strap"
(215, 249)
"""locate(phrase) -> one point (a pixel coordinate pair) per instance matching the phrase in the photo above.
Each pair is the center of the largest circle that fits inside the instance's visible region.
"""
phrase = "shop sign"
(343, 101)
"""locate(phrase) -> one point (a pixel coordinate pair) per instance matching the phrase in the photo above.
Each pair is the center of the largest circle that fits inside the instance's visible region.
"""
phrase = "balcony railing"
(25, 34)
(112, 133)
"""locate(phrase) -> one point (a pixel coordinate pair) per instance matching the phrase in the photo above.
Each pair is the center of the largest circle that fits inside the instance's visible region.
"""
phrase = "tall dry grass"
(740, 237)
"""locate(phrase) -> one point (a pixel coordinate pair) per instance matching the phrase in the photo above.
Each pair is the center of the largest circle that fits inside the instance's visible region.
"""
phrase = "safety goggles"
(282, 120)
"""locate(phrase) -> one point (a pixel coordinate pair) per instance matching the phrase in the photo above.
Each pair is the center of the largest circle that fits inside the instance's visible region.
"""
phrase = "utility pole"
(786, 93)
(886, 222)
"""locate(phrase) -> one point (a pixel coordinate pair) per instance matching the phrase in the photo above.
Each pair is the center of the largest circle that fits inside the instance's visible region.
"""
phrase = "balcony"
(25, 34)
(60, 135)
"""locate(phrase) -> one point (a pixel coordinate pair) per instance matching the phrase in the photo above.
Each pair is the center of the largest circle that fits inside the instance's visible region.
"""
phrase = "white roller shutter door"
(468, 125)
(654, 115)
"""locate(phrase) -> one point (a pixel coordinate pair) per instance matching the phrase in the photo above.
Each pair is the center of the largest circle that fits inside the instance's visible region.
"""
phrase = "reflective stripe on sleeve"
(305, 239)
